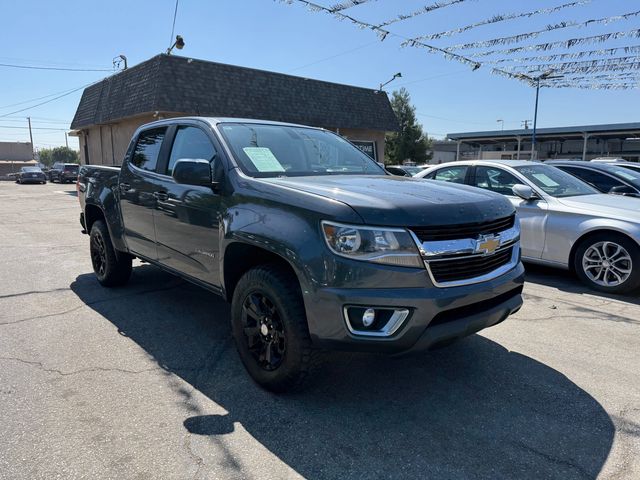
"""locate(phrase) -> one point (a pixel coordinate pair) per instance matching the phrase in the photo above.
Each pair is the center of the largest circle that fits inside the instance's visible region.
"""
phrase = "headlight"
(391, 246)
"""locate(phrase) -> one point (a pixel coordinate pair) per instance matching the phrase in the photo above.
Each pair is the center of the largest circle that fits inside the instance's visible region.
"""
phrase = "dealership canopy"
(562, 45)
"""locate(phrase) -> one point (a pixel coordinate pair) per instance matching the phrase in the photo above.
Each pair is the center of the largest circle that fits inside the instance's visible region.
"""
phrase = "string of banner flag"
(608, 67)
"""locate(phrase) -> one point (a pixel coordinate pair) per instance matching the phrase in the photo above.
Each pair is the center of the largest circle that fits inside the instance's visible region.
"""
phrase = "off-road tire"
(112, 269)
(282, 289)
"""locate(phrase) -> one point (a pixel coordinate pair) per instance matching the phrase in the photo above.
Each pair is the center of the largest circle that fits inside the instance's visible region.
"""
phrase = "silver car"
(565, 222)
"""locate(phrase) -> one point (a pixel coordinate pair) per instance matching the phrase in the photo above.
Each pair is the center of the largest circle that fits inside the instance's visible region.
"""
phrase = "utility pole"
(66, 140)
(30, 135)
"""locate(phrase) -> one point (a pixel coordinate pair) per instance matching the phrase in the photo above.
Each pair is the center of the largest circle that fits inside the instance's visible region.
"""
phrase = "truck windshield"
(264, 150)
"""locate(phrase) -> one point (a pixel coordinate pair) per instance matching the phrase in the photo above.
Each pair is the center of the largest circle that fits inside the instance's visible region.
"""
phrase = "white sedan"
(564, 222)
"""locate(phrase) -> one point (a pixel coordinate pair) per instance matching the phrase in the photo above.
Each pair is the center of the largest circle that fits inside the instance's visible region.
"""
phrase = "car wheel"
(608, 263)
(269, 326)
(111, 268)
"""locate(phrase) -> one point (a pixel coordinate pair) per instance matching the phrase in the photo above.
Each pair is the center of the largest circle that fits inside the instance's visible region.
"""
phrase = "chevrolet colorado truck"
(314, 245)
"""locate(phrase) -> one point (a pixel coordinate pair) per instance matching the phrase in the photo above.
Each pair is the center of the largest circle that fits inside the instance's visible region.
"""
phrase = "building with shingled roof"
(169, 86)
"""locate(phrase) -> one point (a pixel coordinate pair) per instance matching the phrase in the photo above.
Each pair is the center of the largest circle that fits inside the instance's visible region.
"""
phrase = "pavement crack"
(34, 292)
(41, 366)
(555, 460)
(95, 302)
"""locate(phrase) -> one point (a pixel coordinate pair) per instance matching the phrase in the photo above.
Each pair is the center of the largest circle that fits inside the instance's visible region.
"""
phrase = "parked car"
(608, 160)
(403, 170)
(63, 172)
(314, 245)
(605, 177)
(31, 175)
(630, 166)
(565, 222)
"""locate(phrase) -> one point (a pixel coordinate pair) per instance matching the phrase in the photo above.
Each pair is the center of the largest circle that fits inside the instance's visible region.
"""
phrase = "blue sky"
(273, 35)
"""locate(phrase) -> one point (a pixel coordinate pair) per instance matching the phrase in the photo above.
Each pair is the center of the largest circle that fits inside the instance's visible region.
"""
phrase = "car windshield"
(555, 182)
(31, 169)
(71, 168)
(280, 150)
(631, 176)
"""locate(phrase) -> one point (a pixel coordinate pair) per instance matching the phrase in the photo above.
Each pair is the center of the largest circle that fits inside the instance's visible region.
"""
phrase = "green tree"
(410, 142)
(49, 156)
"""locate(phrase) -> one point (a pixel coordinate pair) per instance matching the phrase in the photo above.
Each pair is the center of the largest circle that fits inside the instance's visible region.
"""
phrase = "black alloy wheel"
(263, 330)
(98, 255)
(269, 326)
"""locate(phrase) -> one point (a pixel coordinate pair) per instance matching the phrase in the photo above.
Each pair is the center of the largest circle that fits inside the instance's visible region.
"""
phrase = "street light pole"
(535, 121)
(548, 75)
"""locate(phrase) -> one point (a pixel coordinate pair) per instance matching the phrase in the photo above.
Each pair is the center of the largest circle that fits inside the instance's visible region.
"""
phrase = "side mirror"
(193, 172)
(622, 190)
(525, 192)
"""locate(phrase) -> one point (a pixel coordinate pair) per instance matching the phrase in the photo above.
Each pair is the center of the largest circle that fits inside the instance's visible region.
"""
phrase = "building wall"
(107, 144)
(20, 151)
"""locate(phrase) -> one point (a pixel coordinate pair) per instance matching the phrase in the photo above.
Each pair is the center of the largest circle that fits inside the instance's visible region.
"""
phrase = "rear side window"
(192, 143)
(495, 179)
(147, 149)
(602, 182)
(450, 174)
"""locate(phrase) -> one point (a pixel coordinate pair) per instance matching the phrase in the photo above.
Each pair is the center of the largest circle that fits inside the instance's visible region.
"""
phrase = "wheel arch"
(240, 257)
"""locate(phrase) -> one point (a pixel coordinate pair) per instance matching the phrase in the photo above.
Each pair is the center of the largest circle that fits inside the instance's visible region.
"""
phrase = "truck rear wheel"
(112, 269)
(270, 330)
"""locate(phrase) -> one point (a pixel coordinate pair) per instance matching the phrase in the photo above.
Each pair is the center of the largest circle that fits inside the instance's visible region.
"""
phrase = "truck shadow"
(473, 410)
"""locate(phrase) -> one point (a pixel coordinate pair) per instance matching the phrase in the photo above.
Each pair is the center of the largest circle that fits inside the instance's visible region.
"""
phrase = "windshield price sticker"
(546, 181)
(263, 159)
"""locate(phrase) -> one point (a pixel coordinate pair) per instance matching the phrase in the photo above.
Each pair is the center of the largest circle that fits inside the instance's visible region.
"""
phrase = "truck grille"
(464, 268)
(465, 230)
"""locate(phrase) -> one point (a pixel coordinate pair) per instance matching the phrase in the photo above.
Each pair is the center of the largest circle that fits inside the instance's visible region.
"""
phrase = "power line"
(50, 100)
(34, 99)
(334, 56)
(34, 128)
(173, 26)
(64, 69)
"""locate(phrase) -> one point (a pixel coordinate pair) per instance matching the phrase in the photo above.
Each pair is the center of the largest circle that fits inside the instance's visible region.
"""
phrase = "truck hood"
(403, 201)
(604, 205)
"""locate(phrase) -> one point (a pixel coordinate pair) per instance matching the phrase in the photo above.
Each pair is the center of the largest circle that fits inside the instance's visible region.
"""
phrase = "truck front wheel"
(112, 269)
(270, 330)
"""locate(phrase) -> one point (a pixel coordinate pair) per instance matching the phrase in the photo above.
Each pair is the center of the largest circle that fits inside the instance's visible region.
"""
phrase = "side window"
(145, 154)
(190, 142)
(495, 179)
(450, 174)
(602, 182)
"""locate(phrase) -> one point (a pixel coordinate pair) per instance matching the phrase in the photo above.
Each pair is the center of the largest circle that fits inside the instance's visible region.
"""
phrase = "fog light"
(368, 317)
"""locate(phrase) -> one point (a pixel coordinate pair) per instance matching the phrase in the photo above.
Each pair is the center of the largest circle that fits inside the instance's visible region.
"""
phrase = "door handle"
(124, 187)
(162, 196)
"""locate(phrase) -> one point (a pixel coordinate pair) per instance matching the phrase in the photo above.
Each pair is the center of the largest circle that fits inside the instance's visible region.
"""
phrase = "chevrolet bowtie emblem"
(487, 244)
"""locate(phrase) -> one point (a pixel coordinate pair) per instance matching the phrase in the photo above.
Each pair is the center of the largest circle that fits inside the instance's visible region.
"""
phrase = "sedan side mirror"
(525, 192)
(622, 190)
(193, 172)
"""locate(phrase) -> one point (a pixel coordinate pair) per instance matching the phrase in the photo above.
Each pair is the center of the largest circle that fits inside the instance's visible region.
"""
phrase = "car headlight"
(390, 246)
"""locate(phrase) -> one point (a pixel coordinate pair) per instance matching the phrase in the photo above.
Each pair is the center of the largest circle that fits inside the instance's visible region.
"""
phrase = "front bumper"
(437, 315)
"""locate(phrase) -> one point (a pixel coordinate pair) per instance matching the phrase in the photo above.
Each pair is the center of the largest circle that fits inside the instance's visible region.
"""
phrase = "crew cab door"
(137, 184)
(187, 216)
(532, 213)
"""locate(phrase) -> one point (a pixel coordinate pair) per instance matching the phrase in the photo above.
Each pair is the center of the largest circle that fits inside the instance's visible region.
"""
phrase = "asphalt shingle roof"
(168, 83)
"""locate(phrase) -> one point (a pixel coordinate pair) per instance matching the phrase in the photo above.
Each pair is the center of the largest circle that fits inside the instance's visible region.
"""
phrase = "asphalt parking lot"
(143, 382)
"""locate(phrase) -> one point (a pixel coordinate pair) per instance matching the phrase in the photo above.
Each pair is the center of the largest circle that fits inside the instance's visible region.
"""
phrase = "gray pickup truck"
(314, 245)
